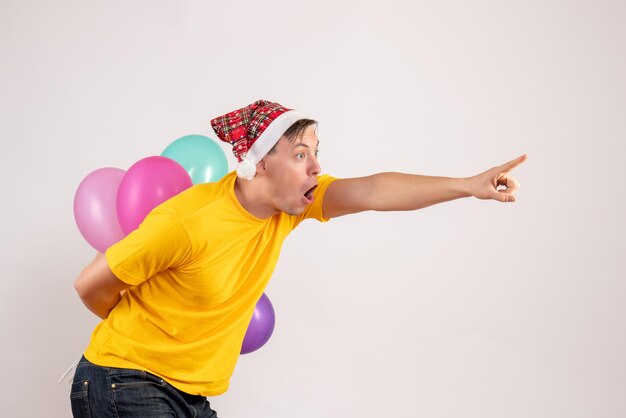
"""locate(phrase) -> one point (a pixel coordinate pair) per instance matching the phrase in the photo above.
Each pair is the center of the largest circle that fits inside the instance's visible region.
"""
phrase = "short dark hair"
(295, 131)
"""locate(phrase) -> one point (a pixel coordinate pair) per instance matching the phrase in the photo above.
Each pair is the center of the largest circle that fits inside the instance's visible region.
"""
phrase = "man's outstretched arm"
(98, 287)
(398, 191)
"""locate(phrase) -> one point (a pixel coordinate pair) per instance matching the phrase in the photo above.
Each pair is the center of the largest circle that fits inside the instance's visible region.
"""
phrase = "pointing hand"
(485, 185)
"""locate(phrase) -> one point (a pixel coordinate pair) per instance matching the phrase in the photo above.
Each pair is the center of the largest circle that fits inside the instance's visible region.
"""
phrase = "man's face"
(292, 172)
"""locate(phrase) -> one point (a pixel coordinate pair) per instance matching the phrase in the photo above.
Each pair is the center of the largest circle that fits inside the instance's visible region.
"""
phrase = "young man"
(177, 294)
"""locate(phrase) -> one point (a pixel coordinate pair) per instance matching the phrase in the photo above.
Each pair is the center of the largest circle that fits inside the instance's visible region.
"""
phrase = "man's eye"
(300, 155)
(317, 152)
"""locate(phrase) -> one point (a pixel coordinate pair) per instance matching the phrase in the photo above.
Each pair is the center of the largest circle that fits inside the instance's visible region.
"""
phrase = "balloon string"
(72, 367)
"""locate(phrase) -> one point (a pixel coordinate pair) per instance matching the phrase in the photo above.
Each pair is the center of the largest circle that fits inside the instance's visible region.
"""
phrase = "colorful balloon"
(148, 183)
(202, 157)
(95, 208)
(261, 326)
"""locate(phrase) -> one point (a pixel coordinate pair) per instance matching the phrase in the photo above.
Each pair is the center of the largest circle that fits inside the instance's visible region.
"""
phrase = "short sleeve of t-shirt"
(314, 210)
(159, 243)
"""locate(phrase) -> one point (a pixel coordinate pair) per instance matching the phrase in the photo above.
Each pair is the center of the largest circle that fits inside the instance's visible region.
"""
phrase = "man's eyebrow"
(302, 144)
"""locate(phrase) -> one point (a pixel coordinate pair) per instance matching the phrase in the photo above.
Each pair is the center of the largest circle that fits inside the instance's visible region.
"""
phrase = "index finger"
(514, 163)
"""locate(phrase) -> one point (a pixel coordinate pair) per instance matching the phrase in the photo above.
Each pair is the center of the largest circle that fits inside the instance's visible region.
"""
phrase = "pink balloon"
(148, 183)
(95, 208)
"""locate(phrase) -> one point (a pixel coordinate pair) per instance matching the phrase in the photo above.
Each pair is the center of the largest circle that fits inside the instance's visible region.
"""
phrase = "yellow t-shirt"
(197, 264)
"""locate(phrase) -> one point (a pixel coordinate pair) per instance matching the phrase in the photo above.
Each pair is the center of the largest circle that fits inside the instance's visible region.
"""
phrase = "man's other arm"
(98, 287)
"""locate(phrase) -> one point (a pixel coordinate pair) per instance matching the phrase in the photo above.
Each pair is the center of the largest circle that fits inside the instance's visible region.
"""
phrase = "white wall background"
(465, 309)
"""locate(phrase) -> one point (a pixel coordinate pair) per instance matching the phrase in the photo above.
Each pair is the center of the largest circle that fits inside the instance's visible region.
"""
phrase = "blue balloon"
(202, 157)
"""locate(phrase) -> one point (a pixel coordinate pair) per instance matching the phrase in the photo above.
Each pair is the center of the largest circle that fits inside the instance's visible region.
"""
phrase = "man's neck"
(253, 198)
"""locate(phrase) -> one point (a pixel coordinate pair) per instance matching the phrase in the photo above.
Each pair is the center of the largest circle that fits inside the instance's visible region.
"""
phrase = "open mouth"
(309, 194)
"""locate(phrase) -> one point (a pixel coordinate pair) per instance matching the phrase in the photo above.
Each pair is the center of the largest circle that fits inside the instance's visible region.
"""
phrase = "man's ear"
(261, 167)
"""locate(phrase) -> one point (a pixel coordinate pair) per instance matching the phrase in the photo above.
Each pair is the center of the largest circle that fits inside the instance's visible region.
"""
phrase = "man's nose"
(315, 167)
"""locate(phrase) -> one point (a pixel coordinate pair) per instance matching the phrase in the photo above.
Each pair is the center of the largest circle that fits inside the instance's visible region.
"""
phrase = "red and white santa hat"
(253, 131)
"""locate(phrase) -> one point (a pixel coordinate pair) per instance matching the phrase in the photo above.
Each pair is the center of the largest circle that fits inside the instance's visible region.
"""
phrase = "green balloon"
(202, 157)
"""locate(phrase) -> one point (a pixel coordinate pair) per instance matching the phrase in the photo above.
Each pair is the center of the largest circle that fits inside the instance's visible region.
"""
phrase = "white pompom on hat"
(253, 131)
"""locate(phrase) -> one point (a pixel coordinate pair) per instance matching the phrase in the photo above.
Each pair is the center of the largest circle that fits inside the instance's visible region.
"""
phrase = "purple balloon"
(261, 326)
(148, 183)
(95, 209)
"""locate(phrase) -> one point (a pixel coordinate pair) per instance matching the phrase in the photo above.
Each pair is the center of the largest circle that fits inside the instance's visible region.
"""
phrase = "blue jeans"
(103, 392)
